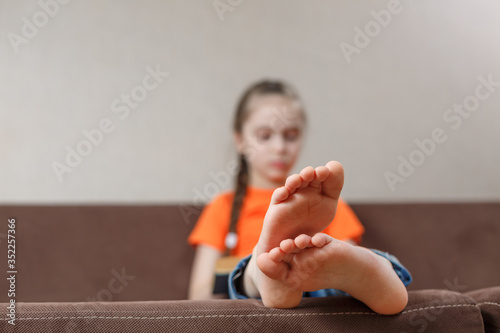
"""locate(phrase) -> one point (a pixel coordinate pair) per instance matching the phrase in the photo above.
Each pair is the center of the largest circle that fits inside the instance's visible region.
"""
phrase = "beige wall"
(365, 109)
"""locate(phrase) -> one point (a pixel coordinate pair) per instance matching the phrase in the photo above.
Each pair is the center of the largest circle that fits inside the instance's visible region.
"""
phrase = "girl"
(268, 132)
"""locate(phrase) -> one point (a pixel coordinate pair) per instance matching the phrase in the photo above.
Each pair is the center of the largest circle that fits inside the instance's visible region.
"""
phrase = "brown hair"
(265, 87)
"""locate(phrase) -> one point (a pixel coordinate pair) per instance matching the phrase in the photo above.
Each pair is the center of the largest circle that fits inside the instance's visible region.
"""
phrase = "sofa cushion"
(427, 310)
(488, 300)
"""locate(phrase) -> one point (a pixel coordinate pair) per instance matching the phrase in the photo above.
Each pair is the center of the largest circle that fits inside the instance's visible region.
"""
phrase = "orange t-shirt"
(213, 224)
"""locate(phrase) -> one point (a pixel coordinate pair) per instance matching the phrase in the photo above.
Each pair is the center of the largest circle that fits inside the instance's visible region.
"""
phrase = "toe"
(320, 239)
(332, 185)
(302, 241)
(307, 175)
(276, 254)
(280, 194)
(322, 173)
(272, 269)
(287, 246)
(293, 182)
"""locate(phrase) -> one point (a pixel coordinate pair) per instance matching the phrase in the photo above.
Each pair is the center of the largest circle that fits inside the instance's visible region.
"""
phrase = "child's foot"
(321, 262)
(306, 204)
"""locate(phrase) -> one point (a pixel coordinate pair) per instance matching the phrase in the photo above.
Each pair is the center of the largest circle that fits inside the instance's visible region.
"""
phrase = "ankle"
(249, 276)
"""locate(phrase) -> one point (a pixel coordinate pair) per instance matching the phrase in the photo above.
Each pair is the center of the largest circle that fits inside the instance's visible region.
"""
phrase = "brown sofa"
(126, 268)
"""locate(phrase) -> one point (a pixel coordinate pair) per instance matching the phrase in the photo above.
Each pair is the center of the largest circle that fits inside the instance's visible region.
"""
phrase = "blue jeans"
(236, 278)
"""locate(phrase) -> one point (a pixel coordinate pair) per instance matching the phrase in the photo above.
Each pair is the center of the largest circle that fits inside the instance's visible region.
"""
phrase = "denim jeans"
(236, 277)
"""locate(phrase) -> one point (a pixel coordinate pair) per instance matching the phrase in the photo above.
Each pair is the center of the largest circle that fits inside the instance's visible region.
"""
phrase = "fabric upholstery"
(431, 311)
(488, 300)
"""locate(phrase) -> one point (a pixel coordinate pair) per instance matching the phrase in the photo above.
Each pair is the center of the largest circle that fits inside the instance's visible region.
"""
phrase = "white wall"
(64, 77)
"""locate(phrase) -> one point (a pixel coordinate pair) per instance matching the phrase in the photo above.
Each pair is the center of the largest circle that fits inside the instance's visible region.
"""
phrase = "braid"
(239, 193)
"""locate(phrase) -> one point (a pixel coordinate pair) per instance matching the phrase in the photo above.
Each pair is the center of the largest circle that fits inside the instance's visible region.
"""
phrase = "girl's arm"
(201, 283)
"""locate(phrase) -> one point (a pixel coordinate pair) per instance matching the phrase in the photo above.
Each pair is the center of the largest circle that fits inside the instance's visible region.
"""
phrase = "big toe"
(332, 186)
(272, 269)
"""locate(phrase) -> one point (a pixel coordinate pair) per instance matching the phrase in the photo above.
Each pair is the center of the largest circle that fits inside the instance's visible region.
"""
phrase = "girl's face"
(271, 139)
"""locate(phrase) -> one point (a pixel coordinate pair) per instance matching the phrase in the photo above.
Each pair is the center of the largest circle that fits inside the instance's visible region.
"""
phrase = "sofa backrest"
(445, 246)
(128, 253)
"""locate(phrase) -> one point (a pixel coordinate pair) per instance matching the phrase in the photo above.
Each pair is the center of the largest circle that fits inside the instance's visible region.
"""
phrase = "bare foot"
(306, 204)
(321, 262)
